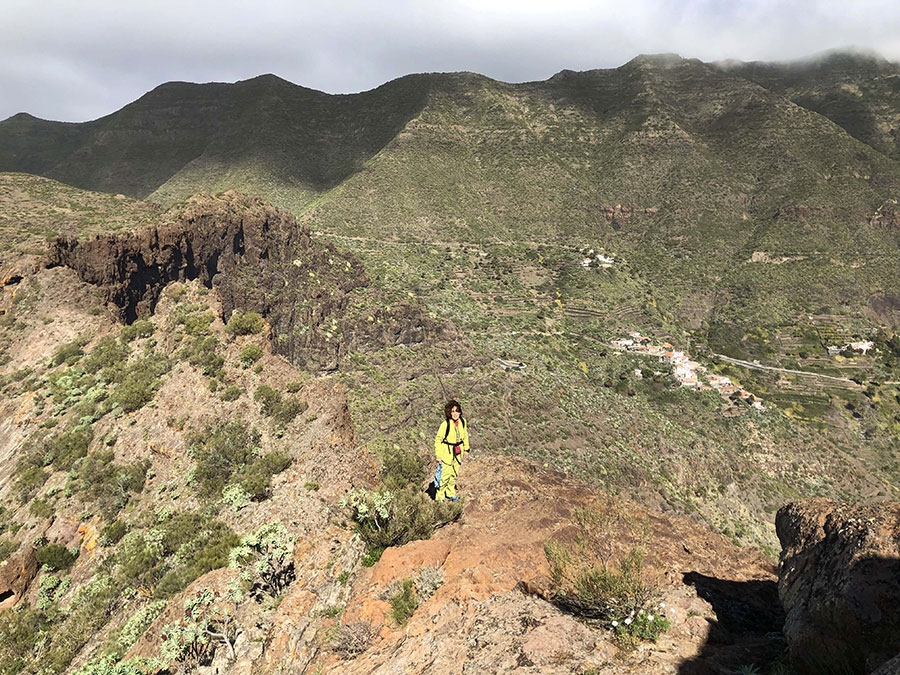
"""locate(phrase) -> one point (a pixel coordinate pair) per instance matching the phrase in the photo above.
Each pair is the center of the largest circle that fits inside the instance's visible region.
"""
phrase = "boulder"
(839, 582)
(16, 574)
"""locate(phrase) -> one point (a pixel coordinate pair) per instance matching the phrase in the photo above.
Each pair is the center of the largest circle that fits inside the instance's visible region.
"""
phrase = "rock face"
(15, 576)
(259, 259)
(839, 583)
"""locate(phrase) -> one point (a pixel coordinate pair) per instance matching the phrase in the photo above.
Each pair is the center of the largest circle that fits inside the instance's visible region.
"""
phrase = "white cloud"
(75, 60)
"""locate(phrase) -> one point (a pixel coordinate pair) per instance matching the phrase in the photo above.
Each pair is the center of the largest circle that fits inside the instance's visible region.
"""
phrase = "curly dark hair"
(451, 404)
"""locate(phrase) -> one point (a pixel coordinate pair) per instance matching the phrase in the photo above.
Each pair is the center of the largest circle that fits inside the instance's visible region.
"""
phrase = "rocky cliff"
(318, 301)
(839, 582)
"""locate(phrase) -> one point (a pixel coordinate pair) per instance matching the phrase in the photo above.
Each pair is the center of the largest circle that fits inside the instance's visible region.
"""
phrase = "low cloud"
(75, 61)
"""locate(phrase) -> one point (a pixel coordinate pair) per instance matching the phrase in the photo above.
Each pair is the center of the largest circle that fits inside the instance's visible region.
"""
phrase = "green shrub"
(142, 328)
(109, 356)
(249, 323)
(66, 448)
(616, 593)
(401, 468)
(7, 548)
(40, 508)
(268, 399)
(372, 556)
(203, 353)
(250, 354)
(174, 552)
(264, 560)
(21, 630)
(108, 665)
(198, 324)
(139, 383)
(219, 452)
(428, 580)
(108, 484)
(231, 393)
(67, 353)
(191, 641)
(55, 557)
(273, 404)
(256, 478)
(288, 409)
(404, 602)
(385, 518)
(30, 476)
(85, 616)
(112, 534)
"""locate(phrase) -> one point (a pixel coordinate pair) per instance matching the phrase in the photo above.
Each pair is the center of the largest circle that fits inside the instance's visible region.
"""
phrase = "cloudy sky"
(75, 60)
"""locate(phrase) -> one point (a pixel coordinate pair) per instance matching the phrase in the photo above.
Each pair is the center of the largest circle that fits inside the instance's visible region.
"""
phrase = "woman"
(450, 442)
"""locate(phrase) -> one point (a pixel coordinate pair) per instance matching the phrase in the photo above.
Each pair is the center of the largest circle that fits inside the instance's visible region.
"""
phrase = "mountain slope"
(265, 129)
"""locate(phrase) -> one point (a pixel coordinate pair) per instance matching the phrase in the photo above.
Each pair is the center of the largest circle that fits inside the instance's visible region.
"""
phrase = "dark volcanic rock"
(259, 259)
(839, 582)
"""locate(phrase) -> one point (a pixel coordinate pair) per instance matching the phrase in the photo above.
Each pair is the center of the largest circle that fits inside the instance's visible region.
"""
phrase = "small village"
(689, 373)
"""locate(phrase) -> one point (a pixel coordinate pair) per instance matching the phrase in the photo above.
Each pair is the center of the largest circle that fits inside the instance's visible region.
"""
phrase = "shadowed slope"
(301, 137)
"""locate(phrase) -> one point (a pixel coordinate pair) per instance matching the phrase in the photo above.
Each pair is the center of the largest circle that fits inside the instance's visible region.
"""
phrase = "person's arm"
(465, 438)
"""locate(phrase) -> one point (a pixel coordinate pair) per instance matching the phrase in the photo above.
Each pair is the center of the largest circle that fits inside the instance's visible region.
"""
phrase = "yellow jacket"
(458, 434)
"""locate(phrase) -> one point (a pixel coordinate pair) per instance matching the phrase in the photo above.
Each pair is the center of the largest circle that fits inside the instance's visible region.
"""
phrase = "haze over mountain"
(455, 236)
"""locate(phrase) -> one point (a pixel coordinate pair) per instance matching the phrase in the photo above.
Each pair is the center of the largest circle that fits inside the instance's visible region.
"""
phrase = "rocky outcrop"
(839, 583)
(259, 259)
(15, 577)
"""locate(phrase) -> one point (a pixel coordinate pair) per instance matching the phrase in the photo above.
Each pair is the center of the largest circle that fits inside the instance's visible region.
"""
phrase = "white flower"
(628, 621)
(650, 617)
(615, 623)
(662, 605)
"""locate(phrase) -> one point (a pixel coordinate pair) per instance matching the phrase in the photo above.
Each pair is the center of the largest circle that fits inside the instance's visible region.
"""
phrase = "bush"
(264, 560)
(142, 328)
(220, 452)
(108, 484)
(202, 353)
(615, 593)
(428, 580)
(256, 478)
(273, 404)
(109, 356)
(404, 602)
(40, 508)
(67, 353)
(249, 323)
(7, 548)
(112, 534)
(139, 383)
(55, 557)
(230, 454)
(288, 409)
(30, 477)
(20, 631)
(353, 639)
(232, 393)
(268, 399)
(174, 552)
(250, 354)
(65, 449)
(389, 518)
(197, 324)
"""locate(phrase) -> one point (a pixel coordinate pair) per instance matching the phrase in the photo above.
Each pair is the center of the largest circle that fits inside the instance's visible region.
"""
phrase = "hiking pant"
(449, 472)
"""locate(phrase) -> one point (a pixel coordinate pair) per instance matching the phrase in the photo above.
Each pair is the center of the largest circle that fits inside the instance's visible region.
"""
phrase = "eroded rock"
(259, 259)
(839, 583)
